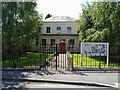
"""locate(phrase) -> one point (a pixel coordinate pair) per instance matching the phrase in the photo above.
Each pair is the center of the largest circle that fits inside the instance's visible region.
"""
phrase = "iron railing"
(49, 57)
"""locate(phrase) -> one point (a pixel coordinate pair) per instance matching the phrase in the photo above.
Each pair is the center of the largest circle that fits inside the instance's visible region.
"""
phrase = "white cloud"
(70, 8)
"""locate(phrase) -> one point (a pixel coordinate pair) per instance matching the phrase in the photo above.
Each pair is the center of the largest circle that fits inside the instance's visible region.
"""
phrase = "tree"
(20, 22)
(85, 21)
(99, 22)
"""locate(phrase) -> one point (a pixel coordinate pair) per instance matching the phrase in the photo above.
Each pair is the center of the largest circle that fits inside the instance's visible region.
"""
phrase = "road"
(11, 78)
(23, 85)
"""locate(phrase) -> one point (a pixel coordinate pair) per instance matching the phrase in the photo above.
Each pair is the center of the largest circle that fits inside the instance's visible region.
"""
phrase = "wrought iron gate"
(54, 57)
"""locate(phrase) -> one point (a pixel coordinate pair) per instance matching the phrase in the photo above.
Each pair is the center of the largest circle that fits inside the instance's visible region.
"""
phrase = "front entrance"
(50, 58)
(55, 58)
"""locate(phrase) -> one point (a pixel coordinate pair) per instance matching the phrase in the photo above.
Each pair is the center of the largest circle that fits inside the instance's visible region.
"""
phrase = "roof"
(59, 18)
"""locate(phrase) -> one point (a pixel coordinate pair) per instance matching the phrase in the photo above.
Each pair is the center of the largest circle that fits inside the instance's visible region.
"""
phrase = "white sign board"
(95, 49)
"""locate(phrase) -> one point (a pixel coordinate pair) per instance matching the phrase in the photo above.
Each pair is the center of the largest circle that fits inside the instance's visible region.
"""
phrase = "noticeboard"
(95, 49)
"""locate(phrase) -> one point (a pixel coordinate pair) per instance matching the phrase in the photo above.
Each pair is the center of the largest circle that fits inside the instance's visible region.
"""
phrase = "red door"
(62, 47)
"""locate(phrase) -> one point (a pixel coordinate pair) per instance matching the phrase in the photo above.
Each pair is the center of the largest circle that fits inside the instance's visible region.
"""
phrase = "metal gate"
(54, 57)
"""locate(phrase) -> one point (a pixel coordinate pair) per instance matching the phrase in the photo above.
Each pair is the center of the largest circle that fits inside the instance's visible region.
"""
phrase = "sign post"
(81, 54)
(107, 53)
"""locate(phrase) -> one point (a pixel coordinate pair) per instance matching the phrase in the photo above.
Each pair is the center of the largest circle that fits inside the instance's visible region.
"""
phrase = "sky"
(71, 8)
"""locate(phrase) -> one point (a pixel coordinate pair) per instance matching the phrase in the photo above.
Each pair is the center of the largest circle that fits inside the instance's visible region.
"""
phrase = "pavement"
(108, 79)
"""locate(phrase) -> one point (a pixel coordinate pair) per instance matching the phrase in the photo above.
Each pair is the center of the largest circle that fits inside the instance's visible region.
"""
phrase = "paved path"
(62, 62)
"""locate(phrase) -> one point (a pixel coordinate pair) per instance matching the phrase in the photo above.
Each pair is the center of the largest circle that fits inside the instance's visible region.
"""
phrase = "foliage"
(99, 22)
(20, 22)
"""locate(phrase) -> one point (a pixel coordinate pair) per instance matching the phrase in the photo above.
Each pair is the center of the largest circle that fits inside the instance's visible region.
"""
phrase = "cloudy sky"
(70, 8)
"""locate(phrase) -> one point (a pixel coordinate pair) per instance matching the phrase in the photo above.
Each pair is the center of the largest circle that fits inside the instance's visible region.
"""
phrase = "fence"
(55, 58)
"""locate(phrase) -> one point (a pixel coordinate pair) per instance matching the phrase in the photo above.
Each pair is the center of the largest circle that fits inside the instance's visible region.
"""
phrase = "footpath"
(97, 78)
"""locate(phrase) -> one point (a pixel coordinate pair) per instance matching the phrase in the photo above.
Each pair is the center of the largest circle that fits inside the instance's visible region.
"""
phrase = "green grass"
(32, 59)
(29, 60)
(93, 62)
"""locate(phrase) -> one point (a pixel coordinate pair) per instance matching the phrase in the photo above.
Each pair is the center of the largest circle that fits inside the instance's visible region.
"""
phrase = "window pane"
(47, 29)
(72, 42)
(69, 29)
(43, 42)
(52, 42)
(58, 29)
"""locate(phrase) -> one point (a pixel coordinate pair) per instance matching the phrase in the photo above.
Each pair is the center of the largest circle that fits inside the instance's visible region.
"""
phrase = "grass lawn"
(94, 62)
(31, 59)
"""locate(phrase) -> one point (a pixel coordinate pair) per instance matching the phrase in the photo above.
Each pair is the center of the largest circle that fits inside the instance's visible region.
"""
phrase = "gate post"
(70, 61)
(56, 57)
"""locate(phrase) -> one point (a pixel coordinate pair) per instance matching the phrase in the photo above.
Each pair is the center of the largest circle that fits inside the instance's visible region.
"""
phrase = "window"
(72, 42)
(52, 42)
(47, 29)
(69, 29)
(43, 42)
(58, 30)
